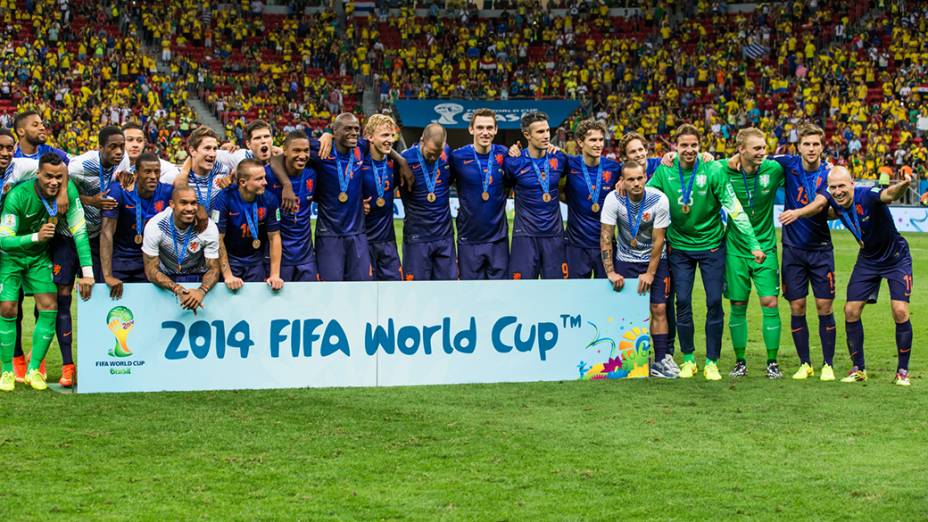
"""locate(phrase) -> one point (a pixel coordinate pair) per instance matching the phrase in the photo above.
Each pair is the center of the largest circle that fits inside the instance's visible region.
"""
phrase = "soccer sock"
(828, 332)
(855, 342)
(800, 329)
(42, 337)
(660, 346)
(771, 324)
(7, 332)
(904, 343)
(18, 343)
(738, 325)
(63, 328)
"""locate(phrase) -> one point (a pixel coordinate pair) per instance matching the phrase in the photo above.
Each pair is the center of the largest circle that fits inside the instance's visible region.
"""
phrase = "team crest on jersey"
(553, 163)
(159, 206)
(764, 180)
(701, 180)
(309, 185)
(646, 216)
(607, 176)
(860, 210)
(262, 212)
(194, 246)
(499, 159)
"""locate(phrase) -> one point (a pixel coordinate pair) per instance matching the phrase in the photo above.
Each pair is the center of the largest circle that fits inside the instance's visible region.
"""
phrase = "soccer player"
(207, 177)
(123, 225)
(175, 252)
(380, 182)
(642, 215)
(884, 254)
(298, 258)
(428, 237)
(29, 218)
(808, 254)
(696, 193)
(538, 229)
(259, 145)
(755, 183)
(135, 147)
(587, 184)
(249, 226)
(483, 230)
(33, 137)
(634, 147)
(13, 169)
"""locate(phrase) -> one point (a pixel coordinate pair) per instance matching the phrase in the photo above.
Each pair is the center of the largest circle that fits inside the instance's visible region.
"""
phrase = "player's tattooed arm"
(106, 257)
(232, 282)
(156, 276)
(607, 232)
(211, 277)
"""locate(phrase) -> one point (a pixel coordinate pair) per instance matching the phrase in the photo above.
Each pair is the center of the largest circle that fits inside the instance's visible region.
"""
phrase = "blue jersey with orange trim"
(337, 218)
(378, 223)
(234, 215)
(427, 220)
(40, 150)
(583, 224)
(883, 245)
(535, 216)
(806, 233)
(296, 234)
(480, 221)
(124, 246)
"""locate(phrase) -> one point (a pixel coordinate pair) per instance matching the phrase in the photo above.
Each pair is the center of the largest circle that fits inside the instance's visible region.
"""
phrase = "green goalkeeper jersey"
(701, 228)
(24, 213)
(757, 193)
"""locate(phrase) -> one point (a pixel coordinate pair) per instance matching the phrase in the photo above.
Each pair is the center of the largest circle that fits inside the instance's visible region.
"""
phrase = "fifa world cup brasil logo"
(120, 321)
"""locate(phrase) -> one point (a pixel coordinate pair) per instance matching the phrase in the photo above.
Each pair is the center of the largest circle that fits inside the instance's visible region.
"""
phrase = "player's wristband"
(203, 289)
(87, 271)
(35, 237)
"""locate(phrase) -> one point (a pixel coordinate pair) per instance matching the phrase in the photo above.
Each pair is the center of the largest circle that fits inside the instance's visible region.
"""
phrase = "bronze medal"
(256, 244)
(53, 220)
(634, 243)
(861, 243)
(546, 197)
(595, 207)
(381, 202)
(685, 208)
(138, 239)
(342, 197)
(485, 196)
(431, 197)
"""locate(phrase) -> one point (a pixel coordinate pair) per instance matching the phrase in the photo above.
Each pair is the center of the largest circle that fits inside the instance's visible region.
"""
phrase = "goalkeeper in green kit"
(30, 215)
(755, 180)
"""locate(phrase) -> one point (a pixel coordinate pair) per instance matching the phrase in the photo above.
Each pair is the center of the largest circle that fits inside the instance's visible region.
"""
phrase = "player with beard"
(380, 182)
(538, 229)
(249, 226)
(33, 137)
(483, 230)
(587, 184)
(298, 258)
(123, 225)
(175, 252)
(697, 194)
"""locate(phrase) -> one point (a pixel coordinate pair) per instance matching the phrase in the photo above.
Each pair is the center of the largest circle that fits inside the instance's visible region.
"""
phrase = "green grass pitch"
(751, 449)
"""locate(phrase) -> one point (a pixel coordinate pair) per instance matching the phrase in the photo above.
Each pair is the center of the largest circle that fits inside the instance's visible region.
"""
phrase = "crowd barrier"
(362, 334)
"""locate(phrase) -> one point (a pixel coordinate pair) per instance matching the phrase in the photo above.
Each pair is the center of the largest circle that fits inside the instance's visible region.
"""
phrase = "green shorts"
(740, 271)
(32, 273)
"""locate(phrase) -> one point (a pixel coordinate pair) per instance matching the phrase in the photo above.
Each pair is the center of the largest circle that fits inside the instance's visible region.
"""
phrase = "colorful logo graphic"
(120, 321)
(627, 359)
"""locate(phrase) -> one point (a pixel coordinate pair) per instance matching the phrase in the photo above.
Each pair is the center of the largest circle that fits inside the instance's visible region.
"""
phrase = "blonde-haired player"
(380, 181)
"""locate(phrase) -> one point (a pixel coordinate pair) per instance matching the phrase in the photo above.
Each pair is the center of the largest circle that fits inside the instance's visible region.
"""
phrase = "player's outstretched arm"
(896, 190)
(232, 283)
(106, 257)
(402, 166)
(812, 209)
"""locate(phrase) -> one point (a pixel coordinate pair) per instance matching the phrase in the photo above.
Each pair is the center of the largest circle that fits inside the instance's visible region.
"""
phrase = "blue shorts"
(538, 256)
(582, 263)
(252, 273)
(305, 272)
(801, 267)
(129, 271)
(65, 263)
(430, 260)
(660, 288)
(864, 284)
(484, 260)
(187, 278)
(344, 258)
(385, 261)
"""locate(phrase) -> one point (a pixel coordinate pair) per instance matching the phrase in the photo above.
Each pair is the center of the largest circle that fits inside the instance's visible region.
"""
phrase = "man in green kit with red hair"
(30, 215)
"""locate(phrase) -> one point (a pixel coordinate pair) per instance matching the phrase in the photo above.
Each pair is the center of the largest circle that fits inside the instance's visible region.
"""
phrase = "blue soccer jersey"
(427, 205)
(583, 210)
(480, 220)
(871, 221)
(132, 214)
(40, 150)
(339, 191)
(244, 223)
(379, 185)
(535, 181)
(649, 169)
(296, 233)
(807, 233)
